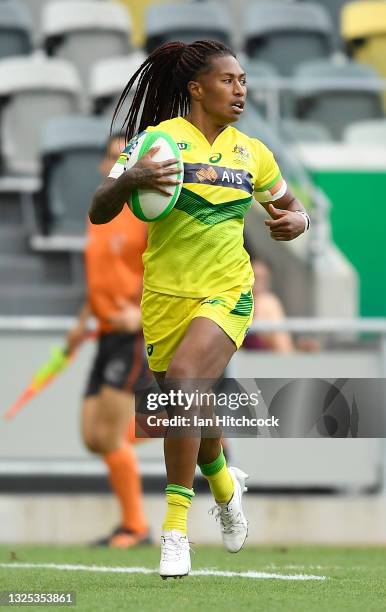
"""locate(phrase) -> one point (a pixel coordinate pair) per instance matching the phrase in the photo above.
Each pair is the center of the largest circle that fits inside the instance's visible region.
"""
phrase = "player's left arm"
(289, 218)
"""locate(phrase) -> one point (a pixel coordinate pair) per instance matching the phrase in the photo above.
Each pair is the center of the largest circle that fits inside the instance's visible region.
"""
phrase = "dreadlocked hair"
(162, 83)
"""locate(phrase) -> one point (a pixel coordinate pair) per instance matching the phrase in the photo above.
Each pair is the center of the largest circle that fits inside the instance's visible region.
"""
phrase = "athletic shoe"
(233, 524)
(175, 555)
(122, 537)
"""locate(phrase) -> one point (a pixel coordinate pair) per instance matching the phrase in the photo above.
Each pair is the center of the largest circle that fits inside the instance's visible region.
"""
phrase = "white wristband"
(306, 217)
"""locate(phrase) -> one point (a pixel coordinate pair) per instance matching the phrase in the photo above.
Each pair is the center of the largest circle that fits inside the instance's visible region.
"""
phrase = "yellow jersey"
(198, 249)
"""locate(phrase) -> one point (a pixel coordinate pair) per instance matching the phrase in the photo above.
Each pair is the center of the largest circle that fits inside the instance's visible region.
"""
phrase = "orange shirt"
(114, 267)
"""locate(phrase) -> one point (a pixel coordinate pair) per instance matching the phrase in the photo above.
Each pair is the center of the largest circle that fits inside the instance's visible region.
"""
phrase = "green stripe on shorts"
(244, 306)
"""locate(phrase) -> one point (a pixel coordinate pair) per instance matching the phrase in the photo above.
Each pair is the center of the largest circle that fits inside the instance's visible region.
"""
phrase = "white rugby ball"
(150, 204)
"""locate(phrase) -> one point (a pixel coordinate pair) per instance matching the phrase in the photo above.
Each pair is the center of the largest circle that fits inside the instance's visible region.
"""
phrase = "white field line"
(146, 570)
(274, 566)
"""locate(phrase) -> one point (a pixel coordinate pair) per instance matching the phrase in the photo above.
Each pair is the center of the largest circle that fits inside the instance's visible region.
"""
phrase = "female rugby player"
(197, 302)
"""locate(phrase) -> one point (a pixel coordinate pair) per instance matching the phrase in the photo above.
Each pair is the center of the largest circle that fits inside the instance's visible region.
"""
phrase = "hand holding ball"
(157, 163)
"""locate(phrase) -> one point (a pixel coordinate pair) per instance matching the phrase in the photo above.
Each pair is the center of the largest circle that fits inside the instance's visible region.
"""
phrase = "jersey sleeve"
(268, 173)
(119, 166)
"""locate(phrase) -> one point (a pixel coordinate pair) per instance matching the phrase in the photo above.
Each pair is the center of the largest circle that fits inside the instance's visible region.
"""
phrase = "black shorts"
(120, 363)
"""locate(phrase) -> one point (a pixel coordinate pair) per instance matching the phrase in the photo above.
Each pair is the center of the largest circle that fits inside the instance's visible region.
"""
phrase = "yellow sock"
(219, 478)
(179, 500)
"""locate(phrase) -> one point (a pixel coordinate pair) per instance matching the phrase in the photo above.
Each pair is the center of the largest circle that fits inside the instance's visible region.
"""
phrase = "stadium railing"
(372, 325)
(42, 444)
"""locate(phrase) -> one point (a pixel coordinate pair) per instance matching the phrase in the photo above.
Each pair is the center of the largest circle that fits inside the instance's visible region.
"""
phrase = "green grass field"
(355, 579)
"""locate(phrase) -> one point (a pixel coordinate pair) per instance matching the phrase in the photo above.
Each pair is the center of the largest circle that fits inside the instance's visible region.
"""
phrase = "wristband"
(306, 217)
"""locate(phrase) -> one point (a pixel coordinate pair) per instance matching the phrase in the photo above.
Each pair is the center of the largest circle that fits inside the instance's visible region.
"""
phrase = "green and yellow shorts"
(167, 317)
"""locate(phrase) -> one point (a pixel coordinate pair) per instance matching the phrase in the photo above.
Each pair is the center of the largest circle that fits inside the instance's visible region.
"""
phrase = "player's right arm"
(113, 193)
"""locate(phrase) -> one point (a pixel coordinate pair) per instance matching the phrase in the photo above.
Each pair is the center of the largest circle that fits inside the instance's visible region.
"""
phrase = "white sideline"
(146, 570)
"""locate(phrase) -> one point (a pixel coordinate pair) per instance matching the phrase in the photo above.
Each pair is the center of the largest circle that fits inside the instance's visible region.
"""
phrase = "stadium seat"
(364, 30)
(35, 10)
(32, 89)
(108, 78)
(334, 7)
(366, 132)
(263, 85)
(336, 94)
(21, 269)
(186, 22)
(283, 34)
(15, 29)
(13, 239)
(71, 148)
(294, 130)
(261, 76)
(259, 70)
(40, 300)
(84, 31)
(137, 11)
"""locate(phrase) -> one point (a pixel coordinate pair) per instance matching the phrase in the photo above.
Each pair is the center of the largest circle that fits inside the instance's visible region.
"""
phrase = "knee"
(181, 371)
(180, 377)
(98, 444)
(93, 444)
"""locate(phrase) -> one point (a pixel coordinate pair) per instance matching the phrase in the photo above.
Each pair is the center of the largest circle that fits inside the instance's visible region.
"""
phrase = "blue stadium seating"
(71, 149)
(283, 34)
(15, 29)
(337, 94)
(187, 22)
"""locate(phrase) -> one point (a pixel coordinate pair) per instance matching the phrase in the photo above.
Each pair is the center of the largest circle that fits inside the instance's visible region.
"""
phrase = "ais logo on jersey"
(228, 176)
(149, 349)
(218, 176)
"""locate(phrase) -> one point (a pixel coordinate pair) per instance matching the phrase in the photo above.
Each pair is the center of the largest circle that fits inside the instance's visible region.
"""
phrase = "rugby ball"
(150, 204)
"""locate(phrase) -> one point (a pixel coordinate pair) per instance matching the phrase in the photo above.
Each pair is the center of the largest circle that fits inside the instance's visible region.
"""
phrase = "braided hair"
(162, 90)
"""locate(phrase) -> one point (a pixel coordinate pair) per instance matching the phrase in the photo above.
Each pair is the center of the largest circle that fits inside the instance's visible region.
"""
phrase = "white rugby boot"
(175, 555)
(233, 524)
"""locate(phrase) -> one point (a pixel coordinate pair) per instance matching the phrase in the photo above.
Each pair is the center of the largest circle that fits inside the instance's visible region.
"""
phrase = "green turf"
(356, 579)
